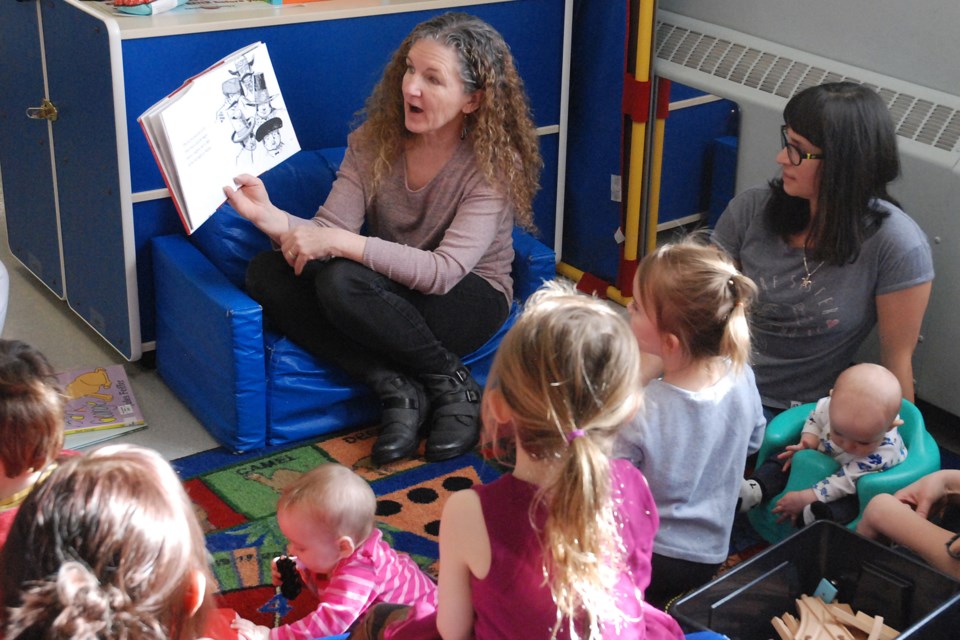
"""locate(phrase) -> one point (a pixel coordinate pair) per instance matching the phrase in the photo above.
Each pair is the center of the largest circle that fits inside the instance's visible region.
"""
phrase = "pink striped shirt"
(373, 573)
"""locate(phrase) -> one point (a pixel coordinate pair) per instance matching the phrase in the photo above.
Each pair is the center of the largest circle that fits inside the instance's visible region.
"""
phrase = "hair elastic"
(576, 433)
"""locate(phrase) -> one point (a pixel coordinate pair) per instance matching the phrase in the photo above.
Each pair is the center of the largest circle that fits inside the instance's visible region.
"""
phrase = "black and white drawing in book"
(227, 120)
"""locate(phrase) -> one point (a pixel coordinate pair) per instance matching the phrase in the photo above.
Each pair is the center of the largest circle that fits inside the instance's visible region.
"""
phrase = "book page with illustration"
(227, 120)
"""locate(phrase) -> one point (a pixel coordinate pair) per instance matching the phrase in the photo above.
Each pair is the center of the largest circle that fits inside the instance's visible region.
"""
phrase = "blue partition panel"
(25, 148)
(99, 269)
(595, 131)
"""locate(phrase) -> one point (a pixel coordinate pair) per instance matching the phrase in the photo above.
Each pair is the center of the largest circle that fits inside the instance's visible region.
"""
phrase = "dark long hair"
(853, 127)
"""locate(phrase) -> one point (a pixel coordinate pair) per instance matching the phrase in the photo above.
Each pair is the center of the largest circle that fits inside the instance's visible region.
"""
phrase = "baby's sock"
(751, 494)
(816, 511)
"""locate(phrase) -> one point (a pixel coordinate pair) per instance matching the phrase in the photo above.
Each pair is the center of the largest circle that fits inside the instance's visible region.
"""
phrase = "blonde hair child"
(560, 546)
(702, 414)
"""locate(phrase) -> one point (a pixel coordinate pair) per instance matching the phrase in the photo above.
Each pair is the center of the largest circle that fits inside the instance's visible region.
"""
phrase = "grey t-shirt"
(803, 339)
(691, 446)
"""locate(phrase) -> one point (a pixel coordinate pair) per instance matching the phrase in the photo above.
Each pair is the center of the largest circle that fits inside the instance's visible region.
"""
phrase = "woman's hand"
(306, 242)
(251, 201)
(929, 494)
(890, 517)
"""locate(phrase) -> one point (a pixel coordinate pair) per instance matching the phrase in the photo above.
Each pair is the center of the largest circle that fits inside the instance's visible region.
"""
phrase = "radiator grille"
(919, 119)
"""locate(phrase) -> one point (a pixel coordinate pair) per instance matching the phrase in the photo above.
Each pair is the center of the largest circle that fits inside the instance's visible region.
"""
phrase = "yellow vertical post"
(637, 107)
(637, 113)
(656, 162)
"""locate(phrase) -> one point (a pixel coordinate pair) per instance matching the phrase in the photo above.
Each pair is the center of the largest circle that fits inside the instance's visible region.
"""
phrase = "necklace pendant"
(806, 283)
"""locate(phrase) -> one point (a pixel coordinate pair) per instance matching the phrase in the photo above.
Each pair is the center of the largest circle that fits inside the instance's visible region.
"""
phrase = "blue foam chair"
(251, 387)
(810, 466)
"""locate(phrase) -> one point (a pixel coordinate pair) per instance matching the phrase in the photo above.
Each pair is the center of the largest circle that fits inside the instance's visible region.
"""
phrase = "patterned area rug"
(236, 496)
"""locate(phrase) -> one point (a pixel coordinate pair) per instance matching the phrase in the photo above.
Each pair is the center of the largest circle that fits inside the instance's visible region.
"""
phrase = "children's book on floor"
(227, 120)
(99, 405)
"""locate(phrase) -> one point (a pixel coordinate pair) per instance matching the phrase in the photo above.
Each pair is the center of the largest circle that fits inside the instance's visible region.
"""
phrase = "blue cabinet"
(82, 193)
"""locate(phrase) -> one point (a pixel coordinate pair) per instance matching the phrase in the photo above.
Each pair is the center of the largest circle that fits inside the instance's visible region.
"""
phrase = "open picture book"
(227, 120)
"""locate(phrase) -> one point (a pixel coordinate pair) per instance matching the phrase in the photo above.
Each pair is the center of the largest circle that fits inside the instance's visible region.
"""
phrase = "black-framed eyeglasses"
(793, 151)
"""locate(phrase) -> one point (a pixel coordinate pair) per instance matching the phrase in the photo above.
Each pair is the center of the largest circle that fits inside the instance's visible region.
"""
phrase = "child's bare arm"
(887, 518)
(462, 535)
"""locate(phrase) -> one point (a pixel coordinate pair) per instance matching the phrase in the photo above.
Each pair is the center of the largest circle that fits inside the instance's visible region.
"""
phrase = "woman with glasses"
(830, 249)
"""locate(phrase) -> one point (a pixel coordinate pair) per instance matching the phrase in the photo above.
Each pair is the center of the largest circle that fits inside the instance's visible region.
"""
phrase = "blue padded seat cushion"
(210, 344)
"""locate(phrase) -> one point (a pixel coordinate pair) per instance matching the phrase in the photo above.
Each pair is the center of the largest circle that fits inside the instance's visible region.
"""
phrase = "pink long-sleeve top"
(374, 573)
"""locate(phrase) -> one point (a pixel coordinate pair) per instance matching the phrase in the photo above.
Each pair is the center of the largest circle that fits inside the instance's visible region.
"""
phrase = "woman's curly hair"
(108, 546)
(501, 129)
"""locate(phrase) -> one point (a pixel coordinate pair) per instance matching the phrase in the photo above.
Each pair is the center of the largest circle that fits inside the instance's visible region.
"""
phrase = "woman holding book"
(444, 165)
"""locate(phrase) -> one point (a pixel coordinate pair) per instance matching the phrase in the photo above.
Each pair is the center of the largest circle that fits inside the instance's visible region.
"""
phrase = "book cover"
(98, 405)
(227, 120)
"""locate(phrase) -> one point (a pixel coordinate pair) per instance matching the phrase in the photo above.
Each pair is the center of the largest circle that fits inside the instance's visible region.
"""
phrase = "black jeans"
(343, 312)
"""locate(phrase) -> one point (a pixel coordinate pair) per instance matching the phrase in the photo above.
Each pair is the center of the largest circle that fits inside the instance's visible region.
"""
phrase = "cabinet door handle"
(46, 111)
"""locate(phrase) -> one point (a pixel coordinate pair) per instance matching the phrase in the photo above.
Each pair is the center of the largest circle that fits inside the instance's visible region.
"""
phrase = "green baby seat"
(810, 466)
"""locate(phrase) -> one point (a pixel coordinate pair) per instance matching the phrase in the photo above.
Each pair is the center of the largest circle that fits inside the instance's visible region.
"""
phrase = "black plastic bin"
(912, 597)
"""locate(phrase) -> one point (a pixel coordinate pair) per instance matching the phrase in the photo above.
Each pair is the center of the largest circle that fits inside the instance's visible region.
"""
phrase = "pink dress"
(513, 602)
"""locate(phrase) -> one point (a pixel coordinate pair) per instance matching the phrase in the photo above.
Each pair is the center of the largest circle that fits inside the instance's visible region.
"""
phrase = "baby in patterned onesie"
(856, 425)
(327, 516)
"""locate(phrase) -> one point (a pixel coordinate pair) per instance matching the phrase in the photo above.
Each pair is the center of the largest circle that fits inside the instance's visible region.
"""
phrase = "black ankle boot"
(404, 409)
(455, 421)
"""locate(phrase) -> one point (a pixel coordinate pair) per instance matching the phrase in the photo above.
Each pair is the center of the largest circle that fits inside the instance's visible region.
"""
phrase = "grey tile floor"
(37, 316)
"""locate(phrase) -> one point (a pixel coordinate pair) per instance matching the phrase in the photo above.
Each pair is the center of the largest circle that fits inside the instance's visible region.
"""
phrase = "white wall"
(913, 40)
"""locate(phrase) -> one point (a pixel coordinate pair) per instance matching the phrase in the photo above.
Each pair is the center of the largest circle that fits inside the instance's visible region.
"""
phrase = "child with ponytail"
(702, 415)
(560, 547)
